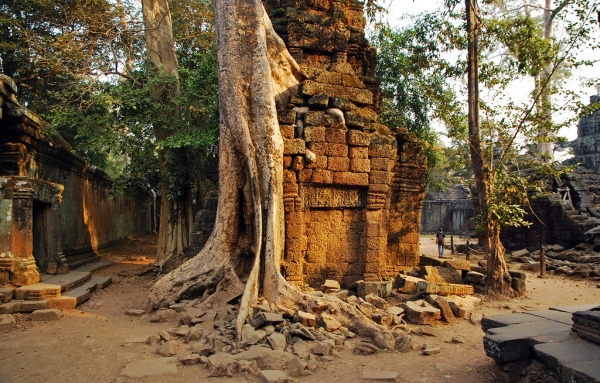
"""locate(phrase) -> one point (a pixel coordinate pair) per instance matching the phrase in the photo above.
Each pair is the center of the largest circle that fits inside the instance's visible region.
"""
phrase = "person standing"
(439, 240)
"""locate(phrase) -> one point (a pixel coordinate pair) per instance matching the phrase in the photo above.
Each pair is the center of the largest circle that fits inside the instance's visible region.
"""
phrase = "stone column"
(24, 271)
(54, 234)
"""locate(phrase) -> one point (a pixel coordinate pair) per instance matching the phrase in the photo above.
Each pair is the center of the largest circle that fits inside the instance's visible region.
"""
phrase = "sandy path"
(90, 344)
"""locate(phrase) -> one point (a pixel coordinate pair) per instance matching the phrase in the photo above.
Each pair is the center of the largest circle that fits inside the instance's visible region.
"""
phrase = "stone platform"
(551, 336)
(63, 291)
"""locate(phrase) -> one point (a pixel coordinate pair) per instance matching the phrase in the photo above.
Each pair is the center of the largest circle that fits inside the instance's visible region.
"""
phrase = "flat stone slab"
(573, 351)
(556, 337)
(150, 367)
(496, 321)
(572, 309)
(70, 280)
(588, 371)
(557, 316)
(91, 267)
(381, 375)
(510, 343)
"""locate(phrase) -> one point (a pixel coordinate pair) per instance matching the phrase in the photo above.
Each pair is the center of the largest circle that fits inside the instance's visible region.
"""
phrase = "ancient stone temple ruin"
(55, 211)
(352, 187)
(587, 145)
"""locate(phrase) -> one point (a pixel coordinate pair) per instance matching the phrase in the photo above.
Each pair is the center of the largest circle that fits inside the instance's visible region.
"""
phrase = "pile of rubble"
(583, 260)
(277, 346)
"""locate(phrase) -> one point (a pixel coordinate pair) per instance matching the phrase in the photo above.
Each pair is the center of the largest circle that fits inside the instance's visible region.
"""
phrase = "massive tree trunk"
(175, 211)
(243, 254)
(496, 266)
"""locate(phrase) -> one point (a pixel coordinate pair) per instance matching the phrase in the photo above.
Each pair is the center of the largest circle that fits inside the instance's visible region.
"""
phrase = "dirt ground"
(90, 344)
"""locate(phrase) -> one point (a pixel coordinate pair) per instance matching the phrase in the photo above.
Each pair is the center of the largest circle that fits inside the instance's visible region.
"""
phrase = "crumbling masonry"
(353, 188)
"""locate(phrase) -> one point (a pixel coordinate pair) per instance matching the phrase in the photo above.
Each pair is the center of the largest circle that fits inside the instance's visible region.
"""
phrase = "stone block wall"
(53, 207)
(587, 145)
(352, 187)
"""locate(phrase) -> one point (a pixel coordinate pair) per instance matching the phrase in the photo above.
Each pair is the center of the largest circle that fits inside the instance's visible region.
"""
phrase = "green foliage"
(415, 87)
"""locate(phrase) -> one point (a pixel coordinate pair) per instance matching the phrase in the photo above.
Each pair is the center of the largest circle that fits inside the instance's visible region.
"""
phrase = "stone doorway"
(42, 253)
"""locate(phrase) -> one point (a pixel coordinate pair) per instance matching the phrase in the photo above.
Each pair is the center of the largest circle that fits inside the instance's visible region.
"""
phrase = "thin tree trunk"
(545, 103)
(175, 212)
(496, 265)
(255, 71)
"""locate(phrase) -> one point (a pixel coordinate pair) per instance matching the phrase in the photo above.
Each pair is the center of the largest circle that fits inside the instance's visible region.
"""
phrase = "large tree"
(243, 254)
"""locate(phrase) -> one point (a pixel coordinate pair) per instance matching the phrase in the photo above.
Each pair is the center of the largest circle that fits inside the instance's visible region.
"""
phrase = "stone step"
(512, 342)
(77, 296)
(91, 267)
(67, 301)
(576, 360)
(71, 280)
(37, 292)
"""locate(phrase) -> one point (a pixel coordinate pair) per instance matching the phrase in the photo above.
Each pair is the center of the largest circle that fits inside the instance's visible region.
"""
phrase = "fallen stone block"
(266, 358)
(421, 312)
(274, 376)
(202, 349)
(366, 308)
(587, 324)
(135, 312)
(324, 348)
(189, 359)
(331, 284)
(261, 319)
(407, 283)
(277, 341)
(166, 349)
(329, 323)
(307, 319)
(365, 348)
(6, 322)
(520, 253)
(440, 274)
(380, 375)
(395, 310)
(376, 301)
(475, 278)
(403, 344)
(431, 351)
(380, 288)
(251, 336)
(445, 310)
(430, 261)
(444, 288)
(222, 364)
(183, 330)
(297, 366)
(46, 315)
(166, 315)
(457, 264)
(194, 334)
(150, 367)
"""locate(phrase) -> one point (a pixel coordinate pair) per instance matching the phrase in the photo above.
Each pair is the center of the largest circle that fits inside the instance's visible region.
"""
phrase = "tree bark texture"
(496, 266)
(242, 257)
(175, 213)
